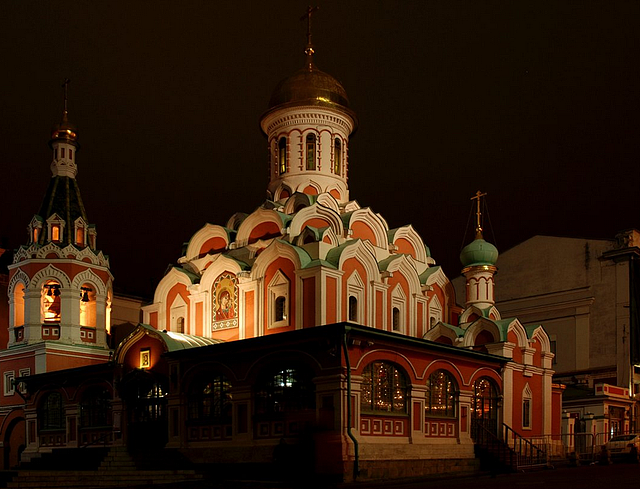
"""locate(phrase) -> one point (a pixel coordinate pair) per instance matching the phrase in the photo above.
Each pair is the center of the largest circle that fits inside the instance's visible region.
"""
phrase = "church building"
(307, 333)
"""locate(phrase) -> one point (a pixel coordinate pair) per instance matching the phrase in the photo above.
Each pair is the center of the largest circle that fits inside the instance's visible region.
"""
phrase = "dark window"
(311, 151)
(384, 388)
(280, 308)
(353, 308)
(95, 408)
(526, 413)
(52, 412)
(395, 318)
(282, 156)
(210, 399)
(442, 395)
(287, 390)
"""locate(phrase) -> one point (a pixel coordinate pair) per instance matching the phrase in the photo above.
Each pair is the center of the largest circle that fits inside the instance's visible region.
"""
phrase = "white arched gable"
(438, 278)
(470, 311)
(282, 188)
(19, 277)
(409, 233)
(329, 201)
(275, 250)
(540, 335)
(375, 222)
(315, 211)
(219, 264)
(84, 253)
(259, 216)
(363, 252)
(476, 328)
(521, 334)
(296, 201)
(173, 277)
(404, 265)
(309, 183)
(204, 234)
(89, 276)
(352, 206)
(50, 248)
(49, 273)
(236, 220)
(439, 330)
(22, 254)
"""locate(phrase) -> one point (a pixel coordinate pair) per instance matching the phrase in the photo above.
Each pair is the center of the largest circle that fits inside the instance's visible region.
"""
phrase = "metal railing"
(508, 447)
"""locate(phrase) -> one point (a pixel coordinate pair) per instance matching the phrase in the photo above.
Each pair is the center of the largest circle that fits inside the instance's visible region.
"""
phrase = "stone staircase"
(118, 469)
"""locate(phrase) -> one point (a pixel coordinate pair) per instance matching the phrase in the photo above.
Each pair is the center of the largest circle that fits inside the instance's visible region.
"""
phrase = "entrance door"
(146, 402)
(485, 405)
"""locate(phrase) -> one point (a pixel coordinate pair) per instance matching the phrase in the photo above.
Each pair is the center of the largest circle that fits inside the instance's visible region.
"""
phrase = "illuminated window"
(209, 399)
(282, 155)
(18, 305)
(286, 390)
(442, 395)
(55, 232)
(384, 389)
(51, 302)
(87, 305)
(311, 151)
(80, 236)
(51, 412)
(95, 408)
(337, 157)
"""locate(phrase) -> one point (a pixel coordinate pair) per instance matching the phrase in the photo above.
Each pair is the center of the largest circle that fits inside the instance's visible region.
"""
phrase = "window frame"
(374, 395)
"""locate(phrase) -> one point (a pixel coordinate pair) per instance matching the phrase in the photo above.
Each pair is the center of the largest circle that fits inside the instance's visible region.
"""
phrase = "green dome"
(479, 252)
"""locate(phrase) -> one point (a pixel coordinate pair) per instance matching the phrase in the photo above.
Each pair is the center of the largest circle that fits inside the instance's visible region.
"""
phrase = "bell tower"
(60, 285)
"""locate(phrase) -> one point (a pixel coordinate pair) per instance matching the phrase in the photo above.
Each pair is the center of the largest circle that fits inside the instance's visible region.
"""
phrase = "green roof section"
(383, 265)
(178, 341)
(305, 259)
(424, 276)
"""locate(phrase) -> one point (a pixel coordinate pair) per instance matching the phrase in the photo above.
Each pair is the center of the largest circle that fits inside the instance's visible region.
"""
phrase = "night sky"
(536, 103)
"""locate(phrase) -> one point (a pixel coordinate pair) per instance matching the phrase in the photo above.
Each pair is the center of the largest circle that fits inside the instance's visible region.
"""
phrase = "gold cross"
(310, 10)
(478, 213)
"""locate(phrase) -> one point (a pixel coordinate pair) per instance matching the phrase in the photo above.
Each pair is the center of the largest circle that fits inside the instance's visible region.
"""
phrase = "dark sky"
(537, 103)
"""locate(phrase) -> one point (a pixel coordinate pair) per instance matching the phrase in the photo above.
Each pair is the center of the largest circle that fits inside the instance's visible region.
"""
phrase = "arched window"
(395, 319)
(384, 388)
(51, 302)
(353, 308)
(311, 151)
(485, 404)
(286, 390)
(87, 305)
(282, 155)
(180, 325)
(337, 157)
(95, 408)
(209, 399)
(18, 305)
(442, 395)
(51, 413)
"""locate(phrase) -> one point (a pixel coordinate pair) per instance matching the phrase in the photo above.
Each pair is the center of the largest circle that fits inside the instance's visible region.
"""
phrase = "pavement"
(615, 476)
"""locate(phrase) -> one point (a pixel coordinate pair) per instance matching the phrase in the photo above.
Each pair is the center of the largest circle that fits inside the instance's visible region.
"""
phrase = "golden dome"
(310, 86)
(64, 130)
